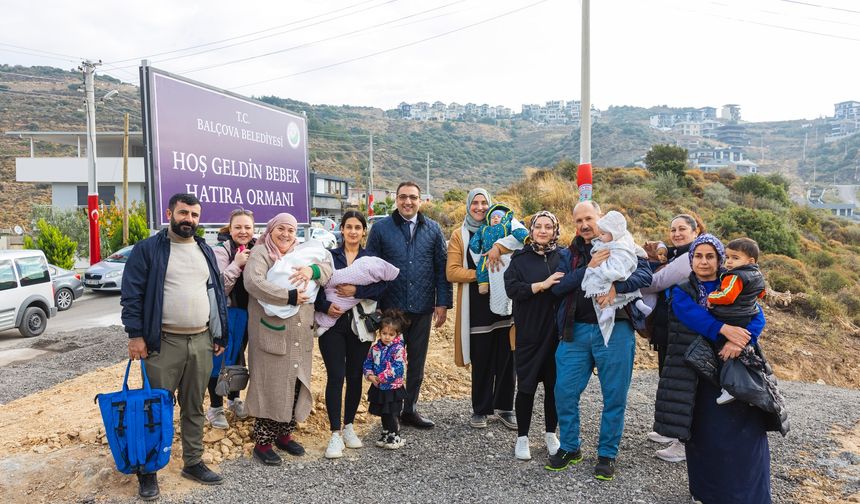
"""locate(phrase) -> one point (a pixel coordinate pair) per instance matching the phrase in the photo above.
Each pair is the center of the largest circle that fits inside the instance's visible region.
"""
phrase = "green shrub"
(72, 223)
(531, 203)
(59, 249)
(667, 159)
(762, 187)
(784, 274)
(137, 231)
(821, 259)
(458, 195)
(831, 281)
(666, 186)
(850, 299)
(763, 226)
(818, 306)
(718, 195)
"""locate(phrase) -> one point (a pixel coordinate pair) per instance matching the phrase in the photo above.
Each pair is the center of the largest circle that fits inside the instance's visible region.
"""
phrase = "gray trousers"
(185, 363)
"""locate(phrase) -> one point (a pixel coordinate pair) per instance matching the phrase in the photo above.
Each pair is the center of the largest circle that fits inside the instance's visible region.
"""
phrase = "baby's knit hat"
(613, 223)
(498, 213)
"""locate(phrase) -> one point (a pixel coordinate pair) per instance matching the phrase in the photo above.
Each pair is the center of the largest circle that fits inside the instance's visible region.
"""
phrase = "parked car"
(106, 275)
(26, 292)
(328, 239)
(67, 286)
(326, 223)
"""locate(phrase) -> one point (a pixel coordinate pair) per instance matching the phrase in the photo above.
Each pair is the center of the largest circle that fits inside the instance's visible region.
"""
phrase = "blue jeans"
(574, 361)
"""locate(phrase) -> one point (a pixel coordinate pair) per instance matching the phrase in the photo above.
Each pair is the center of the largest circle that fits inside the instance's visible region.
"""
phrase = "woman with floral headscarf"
(279, 350)
(527, 282)
(728, 457)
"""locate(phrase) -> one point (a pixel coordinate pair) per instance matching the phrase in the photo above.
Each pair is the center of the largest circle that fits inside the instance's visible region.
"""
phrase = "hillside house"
(68, 175)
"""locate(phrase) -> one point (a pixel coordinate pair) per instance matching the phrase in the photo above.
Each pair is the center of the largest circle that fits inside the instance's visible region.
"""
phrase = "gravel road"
(455, 463)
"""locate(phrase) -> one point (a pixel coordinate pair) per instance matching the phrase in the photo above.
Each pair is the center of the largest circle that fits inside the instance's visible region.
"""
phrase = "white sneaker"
(675, 452)
(552, 443)
(216, 417)
(237, 406)
(521, 450)
(657, 438)
(725, 397)
(350, 439)
(334, 449)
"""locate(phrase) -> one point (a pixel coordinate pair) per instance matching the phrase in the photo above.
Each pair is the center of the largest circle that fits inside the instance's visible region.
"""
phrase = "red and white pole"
(89, 68)
(583, 172)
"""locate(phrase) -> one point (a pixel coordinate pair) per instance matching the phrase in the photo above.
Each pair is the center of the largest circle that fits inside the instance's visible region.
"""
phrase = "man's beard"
(184, 229)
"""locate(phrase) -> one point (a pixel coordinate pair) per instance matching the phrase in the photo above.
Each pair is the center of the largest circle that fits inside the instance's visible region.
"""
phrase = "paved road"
(90, 311)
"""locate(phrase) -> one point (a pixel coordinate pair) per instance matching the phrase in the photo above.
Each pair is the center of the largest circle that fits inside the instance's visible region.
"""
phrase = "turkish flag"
(370, 205)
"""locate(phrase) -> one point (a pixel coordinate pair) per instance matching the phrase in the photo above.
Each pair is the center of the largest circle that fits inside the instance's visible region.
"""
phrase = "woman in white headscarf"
(481, 337)
(279, 350)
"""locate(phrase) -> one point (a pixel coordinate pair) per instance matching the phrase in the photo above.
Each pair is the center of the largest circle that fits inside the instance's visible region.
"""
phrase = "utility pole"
(428, 175)
(125, 184)
(88, 68)
(583, 172)
(370, 180)
(805, 140)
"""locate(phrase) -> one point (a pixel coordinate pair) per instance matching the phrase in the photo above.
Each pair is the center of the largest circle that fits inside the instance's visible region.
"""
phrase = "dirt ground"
(52, 445)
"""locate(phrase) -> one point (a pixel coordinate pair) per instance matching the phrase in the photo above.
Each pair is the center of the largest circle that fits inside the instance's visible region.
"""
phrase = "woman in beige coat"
(481, 338)
(279, 350)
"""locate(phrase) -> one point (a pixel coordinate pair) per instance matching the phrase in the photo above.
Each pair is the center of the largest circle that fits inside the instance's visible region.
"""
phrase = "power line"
(61, 55)
(47, 95)
(339, 135)
(402, 46)
(769, 25)
(33, 76)
(820, 6)
(314, 42)
(334, 11)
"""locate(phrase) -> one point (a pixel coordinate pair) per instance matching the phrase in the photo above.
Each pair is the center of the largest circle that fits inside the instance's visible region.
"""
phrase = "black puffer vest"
(745, 306)
(676, 393)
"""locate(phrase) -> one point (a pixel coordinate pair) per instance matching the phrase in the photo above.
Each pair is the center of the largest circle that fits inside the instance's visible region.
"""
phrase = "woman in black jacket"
(527, 282)
(342, 350)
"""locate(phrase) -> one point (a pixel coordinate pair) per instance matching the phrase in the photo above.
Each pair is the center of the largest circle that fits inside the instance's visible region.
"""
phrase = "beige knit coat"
(279, 350)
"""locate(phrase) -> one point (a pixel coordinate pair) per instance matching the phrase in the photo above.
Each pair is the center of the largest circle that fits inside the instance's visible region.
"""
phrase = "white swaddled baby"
(363, 271)
(310, 252)
(622, 262)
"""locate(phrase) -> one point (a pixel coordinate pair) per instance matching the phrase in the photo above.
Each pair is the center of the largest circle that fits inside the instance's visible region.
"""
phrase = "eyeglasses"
(241, 211)
(410, 197)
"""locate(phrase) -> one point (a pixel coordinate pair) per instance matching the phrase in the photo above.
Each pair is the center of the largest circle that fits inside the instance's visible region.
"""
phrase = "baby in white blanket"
(622, 262)
(310, 252)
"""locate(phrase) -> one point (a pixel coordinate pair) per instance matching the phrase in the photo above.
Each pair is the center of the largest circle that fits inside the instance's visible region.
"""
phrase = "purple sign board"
(230, 151)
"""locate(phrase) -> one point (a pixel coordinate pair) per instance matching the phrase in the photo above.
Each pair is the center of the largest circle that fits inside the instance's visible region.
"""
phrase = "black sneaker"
(605, 469)
(148, 486)
(202, 474)
(562, 459)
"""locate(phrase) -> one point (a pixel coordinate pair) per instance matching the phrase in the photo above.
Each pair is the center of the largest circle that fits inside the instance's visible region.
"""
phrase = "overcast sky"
(778, 59)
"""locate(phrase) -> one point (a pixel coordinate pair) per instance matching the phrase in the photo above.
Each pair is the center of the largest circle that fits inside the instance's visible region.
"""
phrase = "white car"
(106, 275)
(26, 292)
(327, 238)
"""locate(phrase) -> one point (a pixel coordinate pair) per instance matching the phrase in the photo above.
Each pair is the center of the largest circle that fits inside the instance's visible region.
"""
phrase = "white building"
(68, 175)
